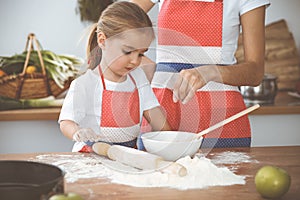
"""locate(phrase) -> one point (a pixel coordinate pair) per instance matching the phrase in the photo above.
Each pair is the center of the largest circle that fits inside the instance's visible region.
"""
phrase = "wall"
(59, 29)
(55, 23)
(45, 136)
(32, 136)
(275, 130)
(288, 10)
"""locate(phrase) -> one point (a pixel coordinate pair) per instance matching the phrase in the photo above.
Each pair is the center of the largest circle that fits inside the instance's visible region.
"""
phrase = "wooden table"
(286, 157)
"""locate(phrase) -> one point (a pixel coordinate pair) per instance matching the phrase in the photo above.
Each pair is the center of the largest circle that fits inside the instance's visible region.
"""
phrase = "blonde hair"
(115, 19)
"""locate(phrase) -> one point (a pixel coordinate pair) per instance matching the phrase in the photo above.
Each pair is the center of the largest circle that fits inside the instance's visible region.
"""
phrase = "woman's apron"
(120, 117)
(190, 35)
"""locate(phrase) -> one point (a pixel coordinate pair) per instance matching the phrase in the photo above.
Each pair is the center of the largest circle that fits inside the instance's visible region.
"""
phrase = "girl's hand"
(187, 83)
(84, 135)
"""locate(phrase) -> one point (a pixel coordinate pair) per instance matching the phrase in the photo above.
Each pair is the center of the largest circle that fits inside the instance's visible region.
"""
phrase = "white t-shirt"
(84, 99)
(232, 10)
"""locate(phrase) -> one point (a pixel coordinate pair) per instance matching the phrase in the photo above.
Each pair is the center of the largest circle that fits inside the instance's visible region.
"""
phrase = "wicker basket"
(30, 86)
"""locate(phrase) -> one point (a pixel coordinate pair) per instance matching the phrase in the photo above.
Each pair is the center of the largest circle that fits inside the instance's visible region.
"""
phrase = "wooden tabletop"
(287, 158)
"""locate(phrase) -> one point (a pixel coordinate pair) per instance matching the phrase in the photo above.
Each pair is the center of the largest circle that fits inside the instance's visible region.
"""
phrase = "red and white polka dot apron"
(190, 35)
(120, 116)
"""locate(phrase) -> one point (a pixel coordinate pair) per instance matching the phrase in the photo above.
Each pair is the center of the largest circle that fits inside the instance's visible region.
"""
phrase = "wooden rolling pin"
(138, 159)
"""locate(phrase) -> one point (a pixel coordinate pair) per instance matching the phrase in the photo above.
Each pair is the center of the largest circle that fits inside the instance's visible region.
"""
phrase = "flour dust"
(201, 172)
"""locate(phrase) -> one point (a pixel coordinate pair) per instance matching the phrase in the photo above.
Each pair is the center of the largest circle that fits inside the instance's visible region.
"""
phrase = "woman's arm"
(148, 67)
(157, 119)
(250, 72)
(146, 5)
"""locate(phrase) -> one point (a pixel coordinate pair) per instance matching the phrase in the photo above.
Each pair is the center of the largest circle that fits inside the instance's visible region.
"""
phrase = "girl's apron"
(190, 35)
(120, 117)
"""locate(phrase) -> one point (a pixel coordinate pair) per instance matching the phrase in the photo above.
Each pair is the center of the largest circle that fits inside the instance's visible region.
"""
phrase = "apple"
(272, 182)
(58, 197)
(68, 196)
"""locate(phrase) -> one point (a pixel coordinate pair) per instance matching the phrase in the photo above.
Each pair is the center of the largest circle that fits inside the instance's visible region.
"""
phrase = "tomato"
(2, 73)
(272, 181)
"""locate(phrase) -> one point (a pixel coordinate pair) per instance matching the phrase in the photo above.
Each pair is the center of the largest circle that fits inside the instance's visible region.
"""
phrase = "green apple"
(68, 196)
(272, 181)
(58, 197)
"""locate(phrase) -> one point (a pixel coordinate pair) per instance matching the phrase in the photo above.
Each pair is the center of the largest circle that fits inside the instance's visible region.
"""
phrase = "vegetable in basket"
(58, 67)
(7, 103)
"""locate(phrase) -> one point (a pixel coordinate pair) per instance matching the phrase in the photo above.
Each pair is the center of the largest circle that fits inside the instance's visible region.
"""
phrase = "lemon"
(30, 69)
(272, 182)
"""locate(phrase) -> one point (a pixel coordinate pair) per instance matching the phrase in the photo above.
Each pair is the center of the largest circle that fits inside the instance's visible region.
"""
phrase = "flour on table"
(76, 166)
(231, 157)
(201, 172)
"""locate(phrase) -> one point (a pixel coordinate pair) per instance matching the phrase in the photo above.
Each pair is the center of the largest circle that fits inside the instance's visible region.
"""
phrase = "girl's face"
(123, 53)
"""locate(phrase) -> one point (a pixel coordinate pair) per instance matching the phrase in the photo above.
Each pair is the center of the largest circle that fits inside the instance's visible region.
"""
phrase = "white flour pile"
(201, 172)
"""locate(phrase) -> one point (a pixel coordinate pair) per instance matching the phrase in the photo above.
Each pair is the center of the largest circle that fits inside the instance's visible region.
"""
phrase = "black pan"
(29, 180)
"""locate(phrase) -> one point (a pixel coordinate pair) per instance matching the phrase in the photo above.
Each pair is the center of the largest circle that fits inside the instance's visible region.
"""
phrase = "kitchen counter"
(287, 158)
(284, 104)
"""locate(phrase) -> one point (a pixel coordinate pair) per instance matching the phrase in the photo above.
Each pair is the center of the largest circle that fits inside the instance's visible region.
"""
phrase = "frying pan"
(29, 180)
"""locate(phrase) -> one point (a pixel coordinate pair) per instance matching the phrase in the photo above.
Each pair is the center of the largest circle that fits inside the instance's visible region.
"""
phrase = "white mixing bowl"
(171, 145)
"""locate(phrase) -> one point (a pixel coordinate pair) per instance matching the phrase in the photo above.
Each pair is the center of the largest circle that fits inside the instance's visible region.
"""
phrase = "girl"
(108, 103)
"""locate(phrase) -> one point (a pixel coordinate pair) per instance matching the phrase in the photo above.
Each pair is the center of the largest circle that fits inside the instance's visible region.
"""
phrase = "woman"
(197, 76)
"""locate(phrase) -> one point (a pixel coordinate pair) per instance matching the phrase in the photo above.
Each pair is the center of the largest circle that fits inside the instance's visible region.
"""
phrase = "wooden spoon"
(226, 121)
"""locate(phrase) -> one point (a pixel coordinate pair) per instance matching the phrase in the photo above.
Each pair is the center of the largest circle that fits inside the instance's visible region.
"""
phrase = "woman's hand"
(146, 5)
(187, 83)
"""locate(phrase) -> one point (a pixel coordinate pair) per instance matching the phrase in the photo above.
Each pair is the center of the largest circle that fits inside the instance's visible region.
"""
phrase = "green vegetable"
(7, 103)
(58, 67)
(90, 10)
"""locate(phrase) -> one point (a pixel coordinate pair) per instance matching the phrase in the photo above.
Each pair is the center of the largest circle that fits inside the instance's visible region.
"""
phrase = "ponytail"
(93, 50)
